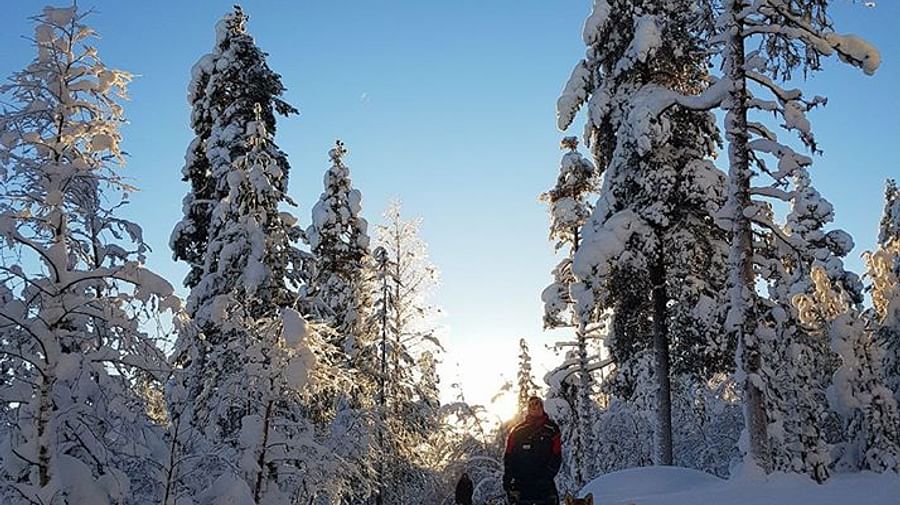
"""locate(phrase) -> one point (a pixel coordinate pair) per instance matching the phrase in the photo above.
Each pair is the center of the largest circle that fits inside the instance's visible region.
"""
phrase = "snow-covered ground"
(682, 486)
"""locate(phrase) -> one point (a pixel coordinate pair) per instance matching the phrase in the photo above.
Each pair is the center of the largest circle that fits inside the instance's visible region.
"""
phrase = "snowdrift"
(683, 486)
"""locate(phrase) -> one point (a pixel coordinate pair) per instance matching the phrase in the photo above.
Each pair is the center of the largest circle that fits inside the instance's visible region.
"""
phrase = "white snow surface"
(662, 485)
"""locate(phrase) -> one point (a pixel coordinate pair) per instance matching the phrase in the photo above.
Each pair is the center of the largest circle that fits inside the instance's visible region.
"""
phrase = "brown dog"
(587, 500)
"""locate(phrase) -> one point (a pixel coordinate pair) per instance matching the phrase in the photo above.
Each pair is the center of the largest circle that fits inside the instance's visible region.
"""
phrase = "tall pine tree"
(652, 253)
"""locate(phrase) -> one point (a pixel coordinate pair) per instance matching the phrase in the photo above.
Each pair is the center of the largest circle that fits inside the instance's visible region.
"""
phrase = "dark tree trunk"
(661, 350)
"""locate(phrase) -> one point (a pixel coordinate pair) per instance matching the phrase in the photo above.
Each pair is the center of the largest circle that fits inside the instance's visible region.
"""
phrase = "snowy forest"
(710, 321)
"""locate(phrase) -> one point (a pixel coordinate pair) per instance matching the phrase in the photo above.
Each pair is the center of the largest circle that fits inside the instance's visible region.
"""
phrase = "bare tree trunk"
(170, 471)
(584, 453)
(381, 257)
(261, 460)
(661, 349)
(43, 435)
(585, 424)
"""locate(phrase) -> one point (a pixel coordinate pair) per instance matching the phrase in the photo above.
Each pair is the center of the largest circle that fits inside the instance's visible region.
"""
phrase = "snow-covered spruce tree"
(339, 241)
(569, 208)
(74, 289)
(865, 386)
(239, 400)
(225, 86)
(525, 385)
(884, 268)
(342, 288)
(890, 220)
(245, 272)
(652, 253)
(405, 324)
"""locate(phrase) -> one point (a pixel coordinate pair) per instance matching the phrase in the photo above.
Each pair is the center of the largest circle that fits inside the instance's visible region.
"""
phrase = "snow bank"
(683, 486)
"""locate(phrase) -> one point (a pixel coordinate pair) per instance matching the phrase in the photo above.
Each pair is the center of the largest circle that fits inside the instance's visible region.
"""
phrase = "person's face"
(535, 408)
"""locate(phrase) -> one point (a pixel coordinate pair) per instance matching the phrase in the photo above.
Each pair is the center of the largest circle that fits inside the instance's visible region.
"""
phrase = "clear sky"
(450, 106)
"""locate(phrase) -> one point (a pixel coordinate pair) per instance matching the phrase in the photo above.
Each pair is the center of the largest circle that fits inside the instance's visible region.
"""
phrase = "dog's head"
(587, 500)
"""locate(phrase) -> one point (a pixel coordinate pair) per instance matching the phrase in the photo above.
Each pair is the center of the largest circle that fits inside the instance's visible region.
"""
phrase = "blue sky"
(450, 106)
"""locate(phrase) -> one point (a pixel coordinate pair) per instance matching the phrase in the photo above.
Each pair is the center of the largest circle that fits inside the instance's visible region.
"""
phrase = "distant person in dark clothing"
(532, 458)
(464, 490)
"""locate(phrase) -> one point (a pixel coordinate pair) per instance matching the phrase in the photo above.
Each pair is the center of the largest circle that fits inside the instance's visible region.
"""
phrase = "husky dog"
(587, 500)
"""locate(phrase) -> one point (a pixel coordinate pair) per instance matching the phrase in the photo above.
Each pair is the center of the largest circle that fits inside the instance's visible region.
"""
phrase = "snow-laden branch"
(849, 48)
(772, 192)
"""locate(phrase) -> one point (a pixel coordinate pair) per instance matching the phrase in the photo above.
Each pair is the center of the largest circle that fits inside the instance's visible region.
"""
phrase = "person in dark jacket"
(532, 458)
(464, 490)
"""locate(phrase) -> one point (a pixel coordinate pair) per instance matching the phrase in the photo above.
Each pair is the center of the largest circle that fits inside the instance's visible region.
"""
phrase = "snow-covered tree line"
(706, 301)
(304, 371)
(712, 314)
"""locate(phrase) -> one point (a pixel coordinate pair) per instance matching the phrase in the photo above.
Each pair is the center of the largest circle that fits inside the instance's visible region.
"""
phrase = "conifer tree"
(239, 401)
(884, 265)
(341, 290)
(569, 208)
(791, 36)
(799, 359)
(226, 85)
(245, 372)
(74, 291)
(526, 386)
(858, 392)
(339, 242)
(653, 226)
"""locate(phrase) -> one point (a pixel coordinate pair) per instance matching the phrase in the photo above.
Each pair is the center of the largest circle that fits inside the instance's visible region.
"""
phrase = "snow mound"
(683, 486)
(635, 485)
